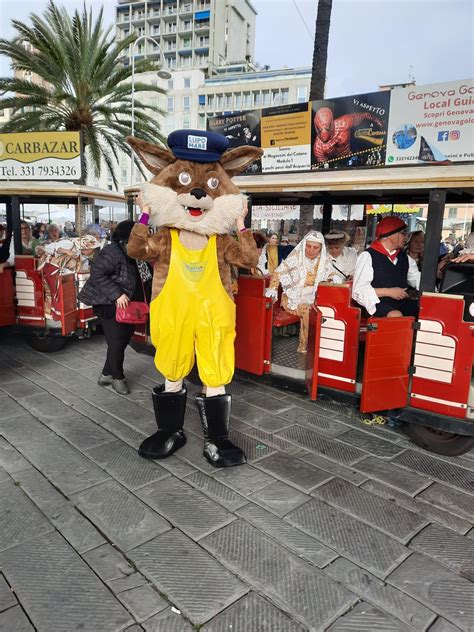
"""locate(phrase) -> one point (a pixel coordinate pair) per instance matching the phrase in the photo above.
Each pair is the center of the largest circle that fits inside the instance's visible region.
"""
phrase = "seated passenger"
(384, 272)
(299, 276)
(268, 260)
(341, 259)
(284, 249)
(415, 247)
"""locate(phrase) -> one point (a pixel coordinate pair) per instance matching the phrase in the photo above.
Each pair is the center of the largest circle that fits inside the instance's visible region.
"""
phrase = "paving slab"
(430, 512)
(336, 469)
(126, 465)
(290, 582)
(441, 625)
(365, 617)
(23, 428)
(300, 543)
(438, 469)
(78, 531)
(217, 491)
(331, 448)
(323, 423)
(125, 520)
(143, 602)
(185, 507)
(36, 571)
(371, 509)
(254, 449)
(4, 476)
(291, 470)
(446, 498)
(45, 407)
(266, 437)
(167, 621)
(371, 443)
(252, 613)
(279, 498)
(79, 431)
(271, 405)
(436, 587)
(176, 466)
(9, 407)
(7, 597)
(21, 387)
(244, 479)
(108, 563)
(124, 584)
(190, 578)
(20, 520)
(393, 475)
(367, 547)
(15, 620)
(10, 459)
(66, 467)
(450, 549)
(381, 594)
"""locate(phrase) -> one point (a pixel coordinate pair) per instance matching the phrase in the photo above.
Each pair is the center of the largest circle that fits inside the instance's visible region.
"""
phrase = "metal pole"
(162, 57)
(434, 227)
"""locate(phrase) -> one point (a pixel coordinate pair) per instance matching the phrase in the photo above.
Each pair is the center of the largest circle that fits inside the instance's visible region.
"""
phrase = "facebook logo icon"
(443, 135)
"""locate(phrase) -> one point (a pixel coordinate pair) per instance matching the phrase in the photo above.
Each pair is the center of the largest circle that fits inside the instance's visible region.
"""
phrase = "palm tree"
(77, 84)
(318, 82)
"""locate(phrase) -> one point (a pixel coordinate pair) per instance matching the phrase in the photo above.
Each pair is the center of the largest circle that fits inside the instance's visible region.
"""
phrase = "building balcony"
(153, 17)
(138, 19)
(169, 33)
(123, 25)
(201, 26)
(185, 9)
(169, 14)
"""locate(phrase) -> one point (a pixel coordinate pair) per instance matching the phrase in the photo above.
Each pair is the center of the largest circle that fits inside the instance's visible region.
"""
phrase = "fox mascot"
(193, 203)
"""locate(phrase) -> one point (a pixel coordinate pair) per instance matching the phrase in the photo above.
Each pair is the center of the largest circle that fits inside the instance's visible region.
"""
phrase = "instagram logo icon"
(455, 135)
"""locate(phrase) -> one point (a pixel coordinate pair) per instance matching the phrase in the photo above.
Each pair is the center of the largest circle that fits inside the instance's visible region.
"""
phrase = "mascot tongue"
(195, 212)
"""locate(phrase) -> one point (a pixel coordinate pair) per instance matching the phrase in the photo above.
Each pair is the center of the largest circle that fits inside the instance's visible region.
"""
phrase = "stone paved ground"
(330, 526)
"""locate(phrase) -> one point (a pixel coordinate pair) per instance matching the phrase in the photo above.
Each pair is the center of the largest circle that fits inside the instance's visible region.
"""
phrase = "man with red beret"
(384, 271)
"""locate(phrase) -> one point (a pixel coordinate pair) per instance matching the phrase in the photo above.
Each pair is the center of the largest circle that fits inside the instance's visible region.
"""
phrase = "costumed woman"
(299, 276)
(342, 259)
(268, 260)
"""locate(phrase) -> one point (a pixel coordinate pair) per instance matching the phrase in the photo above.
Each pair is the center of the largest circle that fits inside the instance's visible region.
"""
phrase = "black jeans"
(117, 336)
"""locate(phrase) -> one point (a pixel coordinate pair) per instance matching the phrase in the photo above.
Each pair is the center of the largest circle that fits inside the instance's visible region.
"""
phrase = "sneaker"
(105, 380)
(120, 386)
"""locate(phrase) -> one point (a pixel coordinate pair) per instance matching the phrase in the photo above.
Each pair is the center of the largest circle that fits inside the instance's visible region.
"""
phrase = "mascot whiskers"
(193, 204)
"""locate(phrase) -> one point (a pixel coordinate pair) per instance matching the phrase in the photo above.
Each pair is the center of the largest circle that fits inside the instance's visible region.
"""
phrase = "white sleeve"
(351, 261)
(362, 290)
(262, 260)
(11, 255)
(414, 275)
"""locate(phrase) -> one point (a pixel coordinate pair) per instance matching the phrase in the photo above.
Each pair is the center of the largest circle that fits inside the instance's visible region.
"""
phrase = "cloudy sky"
(372, 42)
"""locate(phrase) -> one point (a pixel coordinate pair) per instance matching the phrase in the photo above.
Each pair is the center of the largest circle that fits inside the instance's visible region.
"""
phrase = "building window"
(186, 104)
(210, 101)
(170, 104)
(124, 175)
(202, 121)
(187, 82)
(285, 96)
(453, 213)
(238, 101)
(170, 84)
(257, 99)
(186, 120)
(228, 101)
(186, 42)
(219, 101)
(302, 94)
(202, 99)
(247, 100)
(266, 98)
(156, 29)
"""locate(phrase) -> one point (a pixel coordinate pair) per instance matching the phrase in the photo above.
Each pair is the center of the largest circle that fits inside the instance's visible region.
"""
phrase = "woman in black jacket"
(114, 281)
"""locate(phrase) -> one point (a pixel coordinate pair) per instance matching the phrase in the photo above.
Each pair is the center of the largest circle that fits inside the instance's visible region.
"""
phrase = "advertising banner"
(275, 211)
(241, 128)
(40, 155)
(433, 123)
(286, 138)
(350, 131)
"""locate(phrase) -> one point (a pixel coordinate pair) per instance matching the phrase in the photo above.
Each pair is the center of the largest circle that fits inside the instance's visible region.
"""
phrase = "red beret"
(389, 226)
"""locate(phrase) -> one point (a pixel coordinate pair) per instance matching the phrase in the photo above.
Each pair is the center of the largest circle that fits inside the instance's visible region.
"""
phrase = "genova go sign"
(40, 156)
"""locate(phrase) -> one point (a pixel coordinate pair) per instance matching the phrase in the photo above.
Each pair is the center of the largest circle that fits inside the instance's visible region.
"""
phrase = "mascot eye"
(213, 183)
(184, 178)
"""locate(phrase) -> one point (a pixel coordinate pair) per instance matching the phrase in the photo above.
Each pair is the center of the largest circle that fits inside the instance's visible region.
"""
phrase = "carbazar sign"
(40, 156)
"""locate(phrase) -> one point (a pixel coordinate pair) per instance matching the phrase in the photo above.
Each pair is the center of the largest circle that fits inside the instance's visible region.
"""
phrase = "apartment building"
(191, 33)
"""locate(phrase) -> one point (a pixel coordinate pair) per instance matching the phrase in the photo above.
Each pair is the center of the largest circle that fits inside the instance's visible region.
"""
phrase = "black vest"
(386, 274)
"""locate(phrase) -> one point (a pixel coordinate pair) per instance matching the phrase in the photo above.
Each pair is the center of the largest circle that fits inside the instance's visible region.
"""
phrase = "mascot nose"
(198, 193)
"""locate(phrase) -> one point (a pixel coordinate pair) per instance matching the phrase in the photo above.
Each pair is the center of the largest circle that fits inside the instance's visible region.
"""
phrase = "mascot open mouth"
(194, 211)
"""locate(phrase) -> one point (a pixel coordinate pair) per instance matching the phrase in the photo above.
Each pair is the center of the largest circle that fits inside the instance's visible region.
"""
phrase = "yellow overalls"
(193, 314)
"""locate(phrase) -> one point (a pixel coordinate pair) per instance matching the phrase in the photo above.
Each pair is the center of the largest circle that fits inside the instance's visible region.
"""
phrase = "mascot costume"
(193, 204)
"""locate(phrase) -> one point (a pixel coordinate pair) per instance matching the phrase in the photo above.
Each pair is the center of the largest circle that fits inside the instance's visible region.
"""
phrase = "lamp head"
(164, 74)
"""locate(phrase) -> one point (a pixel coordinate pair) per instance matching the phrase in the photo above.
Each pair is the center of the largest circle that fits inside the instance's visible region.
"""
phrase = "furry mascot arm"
(242, 253)
(142, 245)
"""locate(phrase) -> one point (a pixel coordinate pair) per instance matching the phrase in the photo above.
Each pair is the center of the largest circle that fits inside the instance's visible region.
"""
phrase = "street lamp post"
(162, 73)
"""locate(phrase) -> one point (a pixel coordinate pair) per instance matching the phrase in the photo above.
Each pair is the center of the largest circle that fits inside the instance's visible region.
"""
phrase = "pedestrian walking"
(115, 280)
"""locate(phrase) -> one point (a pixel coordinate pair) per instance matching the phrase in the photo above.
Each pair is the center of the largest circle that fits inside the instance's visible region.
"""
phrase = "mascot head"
(191, 188)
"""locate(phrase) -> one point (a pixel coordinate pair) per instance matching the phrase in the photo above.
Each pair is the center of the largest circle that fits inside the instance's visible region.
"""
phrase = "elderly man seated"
(342, 260)
(384, 271)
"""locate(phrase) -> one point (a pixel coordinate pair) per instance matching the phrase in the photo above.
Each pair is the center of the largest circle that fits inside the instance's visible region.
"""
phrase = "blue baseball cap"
(197, 145)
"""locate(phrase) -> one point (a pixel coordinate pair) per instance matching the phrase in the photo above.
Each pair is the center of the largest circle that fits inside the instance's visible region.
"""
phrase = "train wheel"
(438, 441)
(46, 343)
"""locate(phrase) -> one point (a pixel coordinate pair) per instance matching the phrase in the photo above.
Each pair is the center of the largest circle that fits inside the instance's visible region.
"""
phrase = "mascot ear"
(155, 158)
(238, 159)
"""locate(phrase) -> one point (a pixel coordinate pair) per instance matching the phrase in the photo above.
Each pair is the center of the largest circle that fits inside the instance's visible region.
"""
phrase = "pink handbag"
(136, 313)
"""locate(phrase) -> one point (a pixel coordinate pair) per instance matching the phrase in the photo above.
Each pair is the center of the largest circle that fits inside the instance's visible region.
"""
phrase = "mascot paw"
(162, 444)
(224, 453)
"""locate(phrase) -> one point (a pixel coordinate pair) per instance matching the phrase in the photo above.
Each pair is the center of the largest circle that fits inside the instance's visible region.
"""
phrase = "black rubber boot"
(215, 417)
(169, 414)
